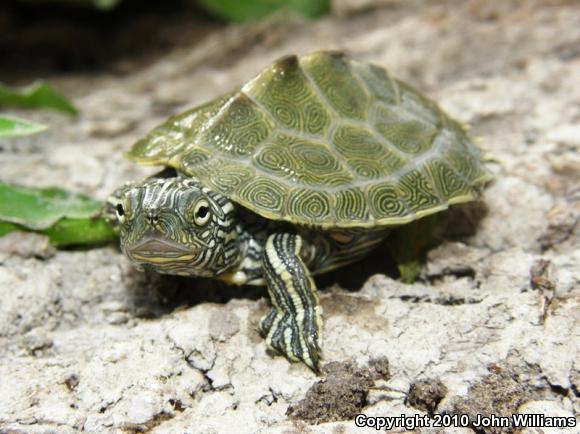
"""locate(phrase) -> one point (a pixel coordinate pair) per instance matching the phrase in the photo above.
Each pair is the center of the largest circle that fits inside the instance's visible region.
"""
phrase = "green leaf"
(68, 232)
(66, 218)
(40, 208)
(38, 95)
(408, 243)
(244, 10)
(12, 127)
(6, 228)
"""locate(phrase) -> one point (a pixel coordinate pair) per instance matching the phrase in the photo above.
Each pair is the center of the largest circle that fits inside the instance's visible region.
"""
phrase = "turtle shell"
(323, 140)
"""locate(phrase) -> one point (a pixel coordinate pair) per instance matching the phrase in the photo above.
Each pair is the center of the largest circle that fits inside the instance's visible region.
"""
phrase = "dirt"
(425, 395)
(500, 393)
(89, 344)
(341, 394)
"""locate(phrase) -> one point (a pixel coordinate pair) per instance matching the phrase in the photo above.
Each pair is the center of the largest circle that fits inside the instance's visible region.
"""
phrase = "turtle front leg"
(294, 324)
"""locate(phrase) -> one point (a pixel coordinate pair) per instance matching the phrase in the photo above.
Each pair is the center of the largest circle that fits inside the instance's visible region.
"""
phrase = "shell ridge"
(212, 121)
(394, 83)
(373, 112)
(396, 88)
(321, 97)
(360, 81)
(257, 103)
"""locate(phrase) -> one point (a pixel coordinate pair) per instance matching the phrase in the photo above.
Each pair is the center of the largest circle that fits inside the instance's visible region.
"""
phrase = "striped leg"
(294, 324)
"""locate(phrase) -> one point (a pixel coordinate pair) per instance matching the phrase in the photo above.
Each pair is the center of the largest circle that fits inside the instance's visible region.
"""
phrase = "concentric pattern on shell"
(323, 140)
(301, 161)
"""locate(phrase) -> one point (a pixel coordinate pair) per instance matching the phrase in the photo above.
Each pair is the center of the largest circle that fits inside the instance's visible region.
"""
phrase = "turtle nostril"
(152, 216)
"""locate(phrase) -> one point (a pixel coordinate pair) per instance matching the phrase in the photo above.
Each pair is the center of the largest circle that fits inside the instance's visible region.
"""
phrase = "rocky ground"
(491, 327)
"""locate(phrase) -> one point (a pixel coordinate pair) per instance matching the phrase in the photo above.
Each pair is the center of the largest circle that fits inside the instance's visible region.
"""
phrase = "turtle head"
(176, 226)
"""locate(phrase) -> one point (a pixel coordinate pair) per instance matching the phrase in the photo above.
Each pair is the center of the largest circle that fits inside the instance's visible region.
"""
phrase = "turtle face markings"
(175, 226)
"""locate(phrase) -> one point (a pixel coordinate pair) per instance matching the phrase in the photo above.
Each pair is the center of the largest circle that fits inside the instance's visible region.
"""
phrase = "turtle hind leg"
(294, 325)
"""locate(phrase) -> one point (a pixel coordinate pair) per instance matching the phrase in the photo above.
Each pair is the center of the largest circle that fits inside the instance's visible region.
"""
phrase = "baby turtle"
(304, 169)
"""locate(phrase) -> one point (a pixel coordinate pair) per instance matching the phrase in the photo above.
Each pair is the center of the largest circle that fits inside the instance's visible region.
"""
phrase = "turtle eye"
(201, 213)
(120, 212)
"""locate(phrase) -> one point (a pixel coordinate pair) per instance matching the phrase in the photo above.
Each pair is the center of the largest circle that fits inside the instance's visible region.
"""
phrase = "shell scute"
(193, 156)
(334, 79)
(314, 205)
(238, 128)
(366, 155)
(223, 175)
(406, 133)
(448, 182)
(302, 162)
(418, 192)
(266, 194)
(351, 204)
(287, 95)
(385, 200)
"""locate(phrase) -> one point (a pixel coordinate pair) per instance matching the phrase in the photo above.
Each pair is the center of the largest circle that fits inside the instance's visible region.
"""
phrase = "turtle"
(305, 168)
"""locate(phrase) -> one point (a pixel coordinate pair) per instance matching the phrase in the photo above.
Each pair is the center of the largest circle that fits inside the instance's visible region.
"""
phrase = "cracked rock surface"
(88, 344)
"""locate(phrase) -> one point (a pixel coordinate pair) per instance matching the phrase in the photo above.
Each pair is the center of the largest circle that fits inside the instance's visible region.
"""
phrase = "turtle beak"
(159, 250)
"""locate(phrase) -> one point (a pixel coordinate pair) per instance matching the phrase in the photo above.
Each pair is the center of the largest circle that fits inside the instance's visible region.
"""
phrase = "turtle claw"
(297, 343)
